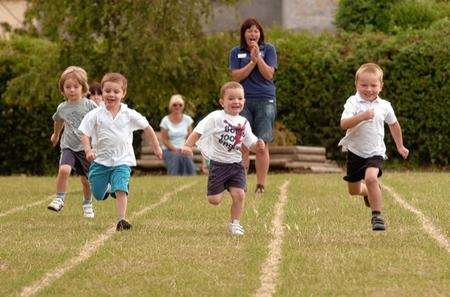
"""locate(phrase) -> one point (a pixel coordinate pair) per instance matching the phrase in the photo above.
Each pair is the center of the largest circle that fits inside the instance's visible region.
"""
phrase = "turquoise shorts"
(100, 176)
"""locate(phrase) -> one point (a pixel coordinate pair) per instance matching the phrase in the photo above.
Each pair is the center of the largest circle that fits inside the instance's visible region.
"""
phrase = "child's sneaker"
(236, 229)
(378, 223)
(56, 205)
(88, 211)
(259, 189)
(123, 225)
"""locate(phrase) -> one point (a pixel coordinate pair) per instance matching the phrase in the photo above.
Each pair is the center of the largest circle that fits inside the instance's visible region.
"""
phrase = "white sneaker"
(88, 211)
(56, 205)
(236, 229)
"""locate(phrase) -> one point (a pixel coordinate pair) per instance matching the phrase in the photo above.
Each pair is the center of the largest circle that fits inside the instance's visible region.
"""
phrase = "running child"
(110, 128)
(220, 136)
(364, 116)
(73, 86)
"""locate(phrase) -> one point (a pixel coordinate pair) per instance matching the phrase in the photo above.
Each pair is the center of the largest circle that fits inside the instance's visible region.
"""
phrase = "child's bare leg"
(215, 199)
(121, 204)
(62, 178)
(357, 188)
(373, 188)
(237, 206)
(86, 188)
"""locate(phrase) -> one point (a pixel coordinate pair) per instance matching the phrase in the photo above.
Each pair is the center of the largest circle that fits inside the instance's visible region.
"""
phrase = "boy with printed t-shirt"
(220, 136)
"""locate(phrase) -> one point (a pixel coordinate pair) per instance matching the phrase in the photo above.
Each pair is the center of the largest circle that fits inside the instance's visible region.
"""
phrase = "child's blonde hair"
(229, 85)
(76, 73)
(177, 98)
(369, 68)
(115, 77)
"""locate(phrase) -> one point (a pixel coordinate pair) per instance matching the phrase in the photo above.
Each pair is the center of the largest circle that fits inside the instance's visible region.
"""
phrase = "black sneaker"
(259, 189)
(366, 201)
(378, 223)
(123, 225)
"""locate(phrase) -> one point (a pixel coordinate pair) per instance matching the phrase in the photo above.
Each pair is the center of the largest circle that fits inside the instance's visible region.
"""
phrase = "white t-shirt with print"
(367, 138)
(222, 136)
(177, 132)
(112, 138)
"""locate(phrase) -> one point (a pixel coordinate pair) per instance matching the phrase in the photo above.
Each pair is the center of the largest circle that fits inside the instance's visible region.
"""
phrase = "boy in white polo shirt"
(364, 116)
(111, 129)
(220, 136)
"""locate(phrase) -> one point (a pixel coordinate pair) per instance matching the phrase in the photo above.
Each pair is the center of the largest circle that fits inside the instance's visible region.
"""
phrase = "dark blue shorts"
(356, 166)
(76, 160)
(222, 176)
(261, 114)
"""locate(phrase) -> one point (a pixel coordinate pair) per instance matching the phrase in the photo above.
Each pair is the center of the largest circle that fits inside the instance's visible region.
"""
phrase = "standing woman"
(175, 127)
(253, 64)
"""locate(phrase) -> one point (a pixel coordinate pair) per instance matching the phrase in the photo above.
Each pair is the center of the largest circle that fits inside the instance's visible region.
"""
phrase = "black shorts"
(222, 176)
(76, 160)
(356, 166)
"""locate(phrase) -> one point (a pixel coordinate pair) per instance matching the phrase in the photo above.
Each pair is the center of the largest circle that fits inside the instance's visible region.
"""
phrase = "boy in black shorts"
(364, 116)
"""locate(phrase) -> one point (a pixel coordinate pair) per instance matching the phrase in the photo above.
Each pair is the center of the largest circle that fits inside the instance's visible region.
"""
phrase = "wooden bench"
(282, 158)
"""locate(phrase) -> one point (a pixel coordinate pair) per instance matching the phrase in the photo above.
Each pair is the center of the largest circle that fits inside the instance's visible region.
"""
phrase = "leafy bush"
(389, 16)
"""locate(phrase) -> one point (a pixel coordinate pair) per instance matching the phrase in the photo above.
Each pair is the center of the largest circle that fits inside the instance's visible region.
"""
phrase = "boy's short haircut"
(77, 73)
(229, 85)
(115, 77)
(369, 68)
(95, 88)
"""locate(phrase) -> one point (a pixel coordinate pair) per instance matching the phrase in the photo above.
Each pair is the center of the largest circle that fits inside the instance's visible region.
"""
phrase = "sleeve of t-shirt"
(234, 62)
(137, 121)
(249, 138)
(270, 56)
(92, 105)
(206, 124)
(349, 109)
(87, 125)
(57, 116)
(390, 115)
(164, 123)
(189, 120)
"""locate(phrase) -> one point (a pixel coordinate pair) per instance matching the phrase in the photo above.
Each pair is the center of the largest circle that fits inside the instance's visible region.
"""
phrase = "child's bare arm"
(396, 132)
(150, 136)
(87, 147)
(356, 119)
(190, 142)
(57, 128)
(258, 146)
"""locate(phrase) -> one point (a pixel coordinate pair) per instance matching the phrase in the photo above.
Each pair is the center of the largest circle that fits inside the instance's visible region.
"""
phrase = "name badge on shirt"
(242, 55)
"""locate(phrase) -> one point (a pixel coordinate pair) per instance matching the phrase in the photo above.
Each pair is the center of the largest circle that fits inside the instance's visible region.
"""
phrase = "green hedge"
(389, 16)
(315, 77)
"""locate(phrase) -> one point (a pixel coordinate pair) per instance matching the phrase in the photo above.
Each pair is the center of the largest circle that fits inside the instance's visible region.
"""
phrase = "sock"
(121, 218)
(235, 221)
(87, 200)
(376, 213)
(61, 195)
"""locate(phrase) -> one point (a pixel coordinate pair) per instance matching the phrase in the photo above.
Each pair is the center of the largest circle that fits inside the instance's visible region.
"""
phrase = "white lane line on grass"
(427, 224)
(269, 269)
(89, 248)
(23, 207)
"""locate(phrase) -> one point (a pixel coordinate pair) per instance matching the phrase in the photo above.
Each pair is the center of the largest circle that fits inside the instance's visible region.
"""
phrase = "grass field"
(179, 245)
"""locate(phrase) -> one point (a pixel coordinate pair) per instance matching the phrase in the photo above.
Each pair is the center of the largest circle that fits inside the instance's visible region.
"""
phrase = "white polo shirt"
(112, 138)
(367, 138)
(222, 136)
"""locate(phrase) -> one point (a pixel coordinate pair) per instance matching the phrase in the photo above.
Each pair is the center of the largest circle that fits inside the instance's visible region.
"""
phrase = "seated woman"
(175, 127)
